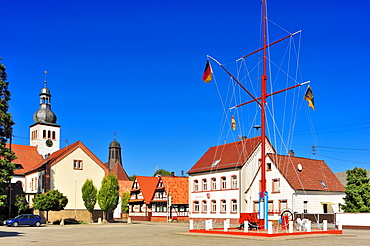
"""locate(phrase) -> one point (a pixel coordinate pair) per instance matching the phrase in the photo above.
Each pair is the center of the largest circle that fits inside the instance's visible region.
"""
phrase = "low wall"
(354, 220)
(78, 214)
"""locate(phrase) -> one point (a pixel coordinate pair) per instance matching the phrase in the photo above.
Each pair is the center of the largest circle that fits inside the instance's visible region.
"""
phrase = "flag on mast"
(207, 75)
(309, 97)
(233, 123)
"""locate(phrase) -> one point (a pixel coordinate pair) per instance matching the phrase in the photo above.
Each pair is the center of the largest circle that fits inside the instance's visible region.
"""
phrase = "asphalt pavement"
(158, 233)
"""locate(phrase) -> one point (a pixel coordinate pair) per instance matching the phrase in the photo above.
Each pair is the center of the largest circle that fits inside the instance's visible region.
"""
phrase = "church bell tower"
(45, 133)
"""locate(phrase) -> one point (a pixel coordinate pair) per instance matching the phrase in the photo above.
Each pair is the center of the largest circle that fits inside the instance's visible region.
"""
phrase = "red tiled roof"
(230, 155)
(62, 153)
(124, 186)
(28, 157)
(178, 187)
(147, 186)
(119, 171)
(313, 171)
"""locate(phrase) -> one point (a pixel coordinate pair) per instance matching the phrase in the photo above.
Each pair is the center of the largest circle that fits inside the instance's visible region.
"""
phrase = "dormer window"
(216, 162)
(323, 184)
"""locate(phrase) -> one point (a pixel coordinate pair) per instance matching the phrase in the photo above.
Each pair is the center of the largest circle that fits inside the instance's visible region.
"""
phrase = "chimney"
(172, 174)
(291, 153)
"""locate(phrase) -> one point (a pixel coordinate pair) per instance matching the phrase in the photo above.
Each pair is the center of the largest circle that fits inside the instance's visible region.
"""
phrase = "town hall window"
(196, 188)
(234, 182)
(204, 204)
(223, 182)
(196, 206)
(77, 164)
(214, 206)
(223, 206)
(234, 206)
(214, 184)
(204, 181)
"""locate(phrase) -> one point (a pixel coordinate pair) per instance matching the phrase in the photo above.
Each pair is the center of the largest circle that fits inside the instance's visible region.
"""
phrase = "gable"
(147, 187)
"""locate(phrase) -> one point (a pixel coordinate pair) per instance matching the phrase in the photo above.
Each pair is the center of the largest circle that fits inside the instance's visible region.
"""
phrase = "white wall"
(353, 219)
(217, 194)
(69, 181)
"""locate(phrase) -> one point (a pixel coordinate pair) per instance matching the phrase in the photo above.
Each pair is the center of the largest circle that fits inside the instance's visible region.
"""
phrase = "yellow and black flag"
(207, 75)
(309, 97)
(233, 123)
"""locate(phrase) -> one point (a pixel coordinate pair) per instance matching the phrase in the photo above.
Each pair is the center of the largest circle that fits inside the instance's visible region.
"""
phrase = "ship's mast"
(263, 206)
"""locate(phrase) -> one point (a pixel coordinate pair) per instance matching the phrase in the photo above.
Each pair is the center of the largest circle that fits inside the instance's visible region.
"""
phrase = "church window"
(49, 134)
(53, 135)
(77, 164)
(44, 134)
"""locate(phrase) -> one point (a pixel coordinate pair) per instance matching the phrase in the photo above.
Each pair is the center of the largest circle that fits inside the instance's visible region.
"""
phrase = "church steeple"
(114, 153)
(45, 133)
(44, 114)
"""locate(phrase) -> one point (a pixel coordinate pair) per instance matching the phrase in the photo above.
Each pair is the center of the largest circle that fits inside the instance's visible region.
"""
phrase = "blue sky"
(135, 67)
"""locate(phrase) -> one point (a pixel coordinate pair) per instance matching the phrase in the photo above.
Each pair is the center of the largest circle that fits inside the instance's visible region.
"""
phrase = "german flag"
(207, 75)
(309, 97)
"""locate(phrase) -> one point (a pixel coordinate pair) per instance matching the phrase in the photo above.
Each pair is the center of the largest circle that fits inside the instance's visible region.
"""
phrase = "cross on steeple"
(114, 134)
(45, 81)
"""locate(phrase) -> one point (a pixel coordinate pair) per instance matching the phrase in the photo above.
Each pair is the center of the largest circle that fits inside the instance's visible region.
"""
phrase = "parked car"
(25, 219)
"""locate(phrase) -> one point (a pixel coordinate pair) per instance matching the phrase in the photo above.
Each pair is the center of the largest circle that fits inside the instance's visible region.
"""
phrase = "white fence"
(353, 219)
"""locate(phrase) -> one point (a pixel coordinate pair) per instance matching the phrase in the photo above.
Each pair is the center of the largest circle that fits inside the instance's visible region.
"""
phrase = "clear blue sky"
(135, 67)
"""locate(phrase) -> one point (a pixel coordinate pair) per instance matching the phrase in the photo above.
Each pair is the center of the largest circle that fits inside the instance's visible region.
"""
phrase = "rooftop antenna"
(45, 80)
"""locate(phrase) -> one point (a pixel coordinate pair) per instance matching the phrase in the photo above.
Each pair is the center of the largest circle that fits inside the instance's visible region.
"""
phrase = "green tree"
(21, 203)
(89, 193)
(162, 172)
(357, 197)
(108, 194)
(124, 202)
(132, 177)
(50, 201)
(6, 122)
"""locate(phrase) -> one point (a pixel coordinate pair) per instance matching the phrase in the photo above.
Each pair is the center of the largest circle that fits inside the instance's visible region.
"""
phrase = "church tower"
(45, 133)
(114, 154)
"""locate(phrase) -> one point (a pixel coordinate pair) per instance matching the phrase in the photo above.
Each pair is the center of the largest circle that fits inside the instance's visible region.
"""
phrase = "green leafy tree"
(6, 123)
(357, 199)
(162, 172)
(21, 203)
(108, 195)
(124, 202)
(132, 177)
(50, 201)
(89, 193)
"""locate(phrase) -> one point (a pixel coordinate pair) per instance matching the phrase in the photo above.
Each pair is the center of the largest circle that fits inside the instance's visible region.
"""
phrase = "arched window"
(53, 135)
(196, 207)
(44, 134)
(49, 134)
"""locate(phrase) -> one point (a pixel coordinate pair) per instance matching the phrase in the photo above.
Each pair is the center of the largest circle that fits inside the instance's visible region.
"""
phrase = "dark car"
(25, 219)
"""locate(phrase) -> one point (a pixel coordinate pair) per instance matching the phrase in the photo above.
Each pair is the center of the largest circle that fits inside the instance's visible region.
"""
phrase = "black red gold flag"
(207, 75)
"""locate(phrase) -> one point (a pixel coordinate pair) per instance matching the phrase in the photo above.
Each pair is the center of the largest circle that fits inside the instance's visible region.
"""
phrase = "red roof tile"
(147, 186)
(178, 187)
(119, 171)
(28, 157)
(124, 186)
(230, 155)
(313, 171)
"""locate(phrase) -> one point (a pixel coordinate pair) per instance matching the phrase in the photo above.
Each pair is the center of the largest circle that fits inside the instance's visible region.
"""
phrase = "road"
(157, 233)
